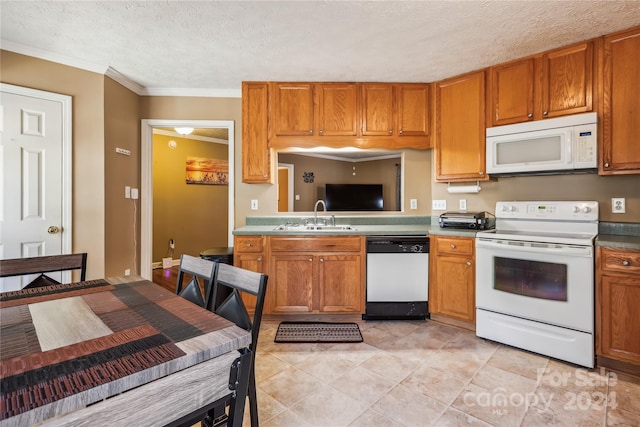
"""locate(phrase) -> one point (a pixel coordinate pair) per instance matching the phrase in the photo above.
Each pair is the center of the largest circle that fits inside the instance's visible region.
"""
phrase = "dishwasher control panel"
(393, 244)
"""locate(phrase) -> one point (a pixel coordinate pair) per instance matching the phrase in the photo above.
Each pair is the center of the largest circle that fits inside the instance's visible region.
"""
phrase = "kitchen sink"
(313, 227)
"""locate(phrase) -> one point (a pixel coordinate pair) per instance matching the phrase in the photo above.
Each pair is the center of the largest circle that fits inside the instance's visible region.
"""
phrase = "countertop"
(396, 225)
(620, 235)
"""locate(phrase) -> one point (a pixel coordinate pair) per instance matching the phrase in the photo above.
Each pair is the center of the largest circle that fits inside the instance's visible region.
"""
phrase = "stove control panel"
(551, 210)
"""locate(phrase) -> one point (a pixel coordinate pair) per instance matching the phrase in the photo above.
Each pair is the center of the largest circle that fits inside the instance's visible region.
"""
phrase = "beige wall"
(195, 216)
(122, 216)
(550, 188)
(88, 133)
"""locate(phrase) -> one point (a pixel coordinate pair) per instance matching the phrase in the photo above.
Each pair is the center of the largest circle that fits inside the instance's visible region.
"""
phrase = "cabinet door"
(252, 262)
(256, 160)
(337, 109)
(456, 287)
(291, 283)
(621, 104)
(567, 80)
(619, 299)
(460, 128)
(511, 92)
(291, 109)
(377, 109)
(339, 283)
(412, 102)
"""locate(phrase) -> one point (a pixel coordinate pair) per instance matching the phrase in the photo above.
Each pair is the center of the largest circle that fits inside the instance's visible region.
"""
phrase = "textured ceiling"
(215, 45)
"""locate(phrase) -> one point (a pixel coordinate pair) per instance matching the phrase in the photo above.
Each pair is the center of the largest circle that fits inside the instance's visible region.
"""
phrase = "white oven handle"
(541, 248)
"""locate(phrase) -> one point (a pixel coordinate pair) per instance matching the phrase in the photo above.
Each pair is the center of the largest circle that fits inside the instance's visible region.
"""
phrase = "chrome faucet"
(315, 210)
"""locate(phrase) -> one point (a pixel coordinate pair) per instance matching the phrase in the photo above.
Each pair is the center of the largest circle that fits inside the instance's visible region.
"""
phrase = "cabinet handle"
(390, 131)
(310, 259)
(310, 131)
(469, 263)
(544, 113)
(481, 173)
(248, 245)
(606, 165)
(264, 176)
(321, 259)
(530, 115)
(453, 246)
(626, 263)
(401, 132)
(259, 259)
(321, 131)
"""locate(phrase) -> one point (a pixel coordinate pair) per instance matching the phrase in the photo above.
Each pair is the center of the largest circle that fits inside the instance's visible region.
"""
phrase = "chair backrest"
(230, 279)
(44, 264)
(199, 269)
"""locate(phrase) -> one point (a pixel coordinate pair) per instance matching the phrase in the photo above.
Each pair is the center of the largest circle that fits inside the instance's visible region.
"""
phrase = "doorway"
(146, 184)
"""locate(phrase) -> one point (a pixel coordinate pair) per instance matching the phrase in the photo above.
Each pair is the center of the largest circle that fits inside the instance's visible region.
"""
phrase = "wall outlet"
(439, 205)
(254, 205)
(463, 204)
(166, 262)
(127, 272)
(414, 203)
(127, 192)
(134, 193)
(618, 205)
(297, 197)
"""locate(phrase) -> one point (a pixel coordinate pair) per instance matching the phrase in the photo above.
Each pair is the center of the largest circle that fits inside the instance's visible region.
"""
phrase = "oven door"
(549, 283)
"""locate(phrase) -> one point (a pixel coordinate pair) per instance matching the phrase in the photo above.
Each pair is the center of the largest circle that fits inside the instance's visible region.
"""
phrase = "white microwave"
(563, 144)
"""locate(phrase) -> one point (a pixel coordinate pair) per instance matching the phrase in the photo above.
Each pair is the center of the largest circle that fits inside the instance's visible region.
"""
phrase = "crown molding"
(53, 57)
(124, 81)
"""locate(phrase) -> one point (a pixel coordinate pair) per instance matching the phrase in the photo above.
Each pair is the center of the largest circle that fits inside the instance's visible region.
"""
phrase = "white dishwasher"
(397, 278)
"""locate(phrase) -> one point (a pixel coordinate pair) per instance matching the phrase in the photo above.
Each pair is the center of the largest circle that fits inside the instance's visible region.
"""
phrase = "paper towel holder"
(464, 188)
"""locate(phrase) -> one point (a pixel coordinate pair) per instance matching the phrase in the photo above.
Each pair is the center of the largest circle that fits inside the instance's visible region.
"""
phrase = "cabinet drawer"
(249, 244)
(453, 246)
(316, 244)
(620, 260)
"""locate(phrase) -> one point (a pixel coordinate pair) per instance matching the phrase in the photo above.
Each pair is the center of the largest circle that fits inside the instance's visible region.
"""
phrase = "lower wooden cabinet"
(316, 274)
(452, 277)
(618, 305)
(249, 253)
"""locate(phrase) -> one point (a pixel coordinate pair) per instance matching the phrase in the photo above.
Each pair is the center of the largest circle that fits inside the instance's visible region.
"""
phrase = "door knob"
(53, 229)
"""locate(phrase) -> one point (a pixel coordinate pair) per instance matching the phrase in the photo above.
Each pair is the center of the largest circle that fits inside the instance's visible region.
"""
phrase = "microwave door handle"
(569, 147)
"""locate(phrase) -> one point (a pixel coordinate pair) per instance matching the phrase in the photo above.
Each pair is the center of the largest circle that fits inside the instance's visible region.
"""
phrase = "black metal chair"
(42, 265)
(230, 281)
(198, 268)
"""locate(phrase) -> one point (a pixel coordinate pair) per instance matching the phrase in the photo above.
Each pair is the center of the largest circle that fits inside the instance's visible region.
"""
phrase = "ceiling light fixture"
(184, 130)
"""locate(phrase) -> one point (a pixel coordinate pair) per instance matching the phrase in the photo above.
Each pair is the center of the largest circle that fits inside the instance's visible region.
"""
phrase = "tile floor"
(412, 373)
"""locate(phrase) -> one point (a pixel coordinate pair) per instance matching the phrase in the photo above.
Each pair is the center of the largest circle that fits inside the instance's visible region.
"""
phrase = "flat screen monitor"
(354, 197)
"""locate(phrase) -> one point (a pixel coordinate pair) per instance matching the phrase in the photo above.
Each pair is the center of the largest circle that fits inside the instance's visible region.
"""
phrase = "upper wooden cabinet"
(377, 109)
(619, 153)
(412, 109)
(567, 80)
(460, 128)
(337, 111)
(291, 109)
(555, 83)
(256, 158)
(364, 115)
(511, 92)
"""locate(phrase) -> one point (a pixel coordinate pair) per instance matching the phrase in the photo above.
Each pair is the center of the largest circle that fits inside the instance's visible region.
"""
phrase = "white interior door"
(35, 153)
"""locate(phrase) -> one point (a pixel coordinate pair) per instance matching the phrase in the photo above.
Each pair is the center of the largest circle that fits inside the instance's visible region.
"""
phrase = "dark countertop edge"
(618, 241)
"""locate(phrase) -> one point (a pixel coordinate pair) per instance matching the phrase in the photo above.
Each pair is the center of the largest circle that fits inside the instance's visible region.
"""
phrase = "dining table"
(118, 351)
